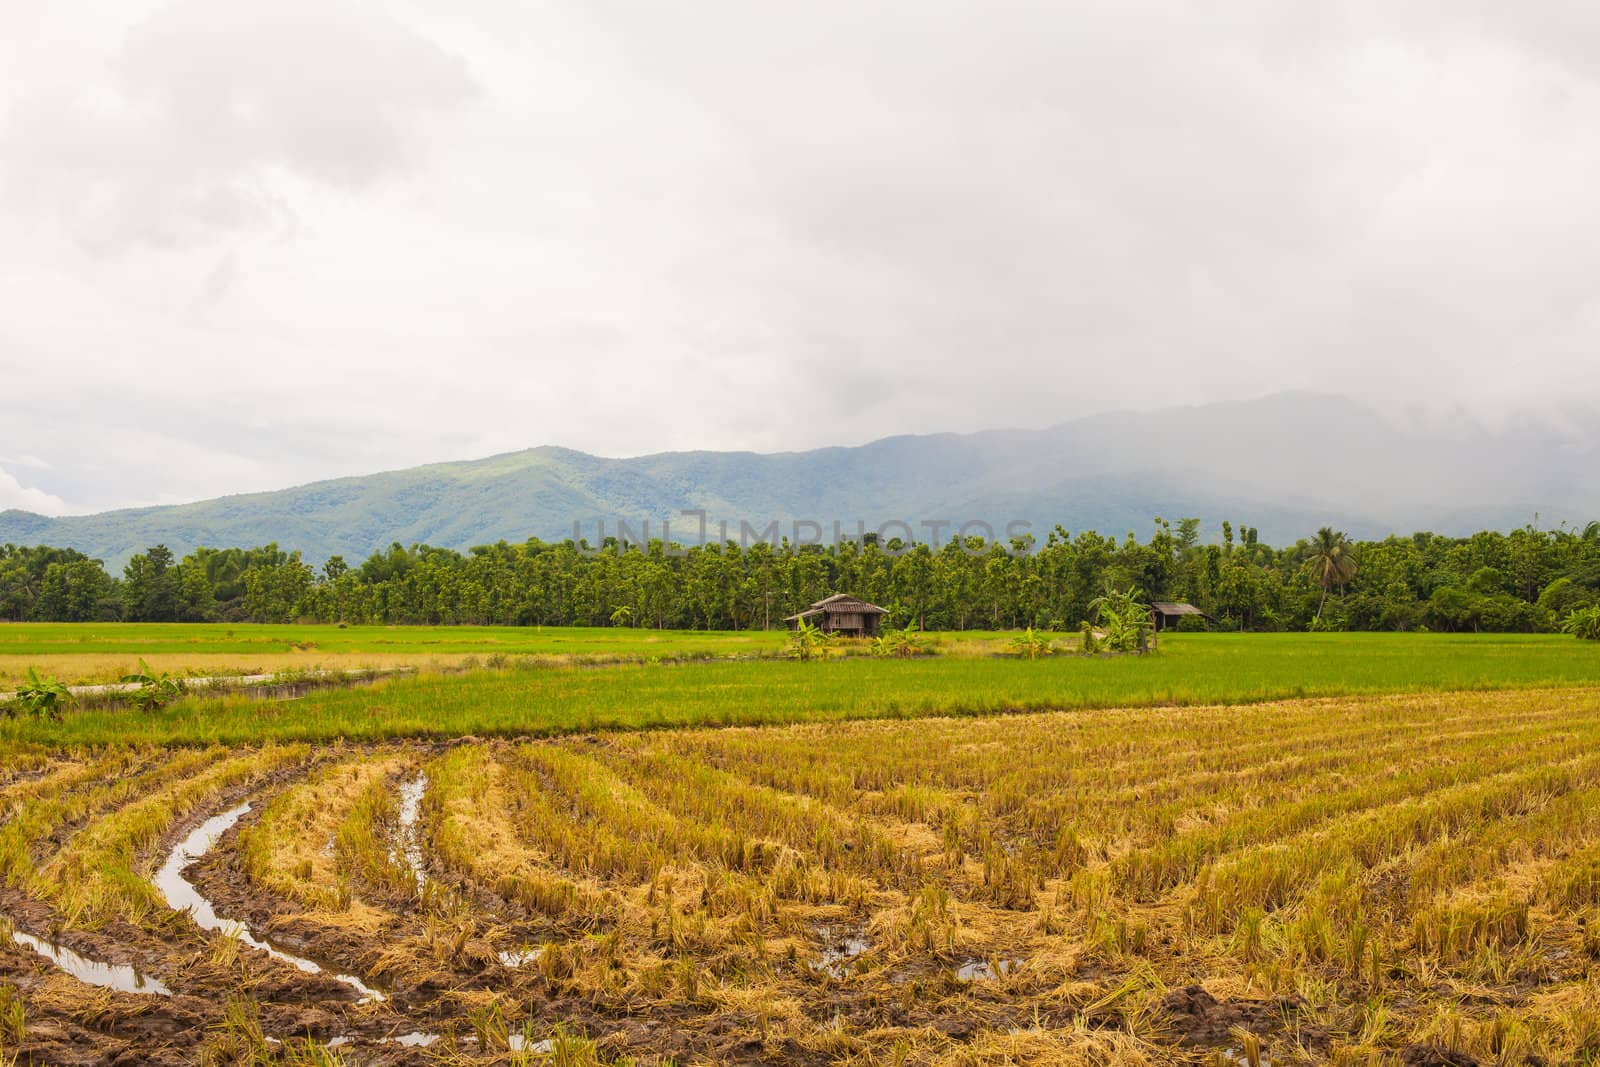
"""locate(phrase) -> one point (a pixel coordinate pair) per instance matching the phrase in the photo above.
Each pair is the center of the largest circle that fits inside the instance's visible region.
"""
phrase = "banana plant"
(808, 642)
(41, 698)
(1124, 619)
(154, 690)
(1031, 644)
(1583, 623)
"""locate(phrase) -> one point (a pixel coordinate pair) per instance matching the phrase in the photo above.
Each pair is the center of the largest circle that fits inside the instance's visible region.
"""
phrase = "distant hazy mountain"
(1285, 464)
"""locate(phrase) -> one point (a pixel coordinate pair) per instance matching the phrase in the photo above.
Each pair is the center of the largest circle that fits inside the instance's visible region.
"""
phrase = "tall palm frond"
(1331, 562)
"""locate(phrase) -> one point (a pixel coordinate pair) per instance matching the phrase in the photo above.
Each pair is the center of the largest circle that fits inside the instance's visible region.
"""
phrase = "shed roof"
(1161, 607)
(846, 602)
(839, 604)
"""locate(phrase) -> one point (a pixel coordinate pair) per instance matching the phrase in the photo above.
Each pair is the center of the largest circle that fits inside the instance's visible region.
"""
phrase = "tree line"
(1527, 580)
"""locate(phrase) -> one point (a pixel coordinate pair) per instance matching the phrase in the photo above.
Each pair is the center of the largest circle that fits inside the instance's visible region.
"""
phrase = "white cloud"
(249, 245)
(13, 494)
(208, 116)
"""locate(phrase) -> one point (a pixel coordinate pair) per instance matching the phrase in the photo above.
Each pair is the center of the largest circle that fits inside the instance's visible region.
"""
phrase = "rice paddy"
(1372, 879)
(742, 680)
(90, 653)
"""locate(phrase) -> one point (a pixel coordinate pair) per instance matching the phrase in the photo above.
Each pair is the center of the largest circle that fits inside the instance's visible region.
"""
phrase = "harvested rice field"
(1367, 879)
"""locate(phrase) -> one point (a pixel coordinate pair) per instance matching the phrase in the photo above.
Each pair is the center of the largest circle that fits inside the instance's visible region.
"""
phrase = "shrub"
(901, 644)
(1564, 596)
(1091, 641)
(1583, 623)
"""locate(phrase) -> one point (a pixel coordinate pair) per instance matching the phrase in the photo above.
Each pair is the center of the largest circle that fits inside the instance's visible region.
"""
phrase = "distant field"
(89, 652)
(80, 654)
(529, 695)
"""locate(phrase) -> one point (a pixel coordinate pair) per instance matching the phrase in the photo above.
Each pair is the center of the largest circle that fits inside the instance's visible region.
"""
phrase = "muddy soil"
(1433, 1056)
(81, 1024)
(71, 1024)
(435, 964)
(1198, 1020)
(422, 995)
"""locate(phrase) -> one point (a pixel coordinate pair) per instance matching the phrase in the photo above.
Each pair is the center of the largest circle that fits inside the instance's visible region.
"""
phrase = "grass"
(149, 639)
(535, 698)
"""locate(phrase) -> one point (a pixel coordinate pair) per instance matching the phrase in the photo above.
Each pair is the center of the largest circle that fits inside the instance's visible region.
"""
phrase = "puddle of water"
(410, 808)
(116, 976)
(983, 970)
(415, 1039)
(839, 957)
(517, 957)
(519, 1043)
(181, 895)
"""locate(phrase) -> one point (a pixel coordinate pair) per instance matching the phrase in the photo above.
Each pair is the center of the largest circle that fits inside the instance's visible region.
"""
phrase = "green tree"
(151, 587)
(1563, 596)
(197, 600)
(76, 591)
(278, 593)
(1331, 563)
(1452, 608)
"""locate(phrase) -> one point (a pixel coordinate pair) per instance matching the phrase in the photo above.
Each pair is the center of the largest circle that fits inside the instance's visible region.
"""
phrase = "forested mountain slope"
(1284, 464)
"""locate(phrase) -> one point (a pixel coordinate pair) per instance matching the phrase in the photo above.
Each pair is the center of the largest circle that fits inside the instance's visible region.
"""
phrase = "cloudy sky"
(249, 244)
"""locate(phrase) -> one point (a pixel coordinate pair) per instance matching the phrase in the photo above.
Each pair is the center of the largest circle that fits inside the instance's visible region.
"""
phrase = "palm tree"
(1331, 562)
(1591, 532)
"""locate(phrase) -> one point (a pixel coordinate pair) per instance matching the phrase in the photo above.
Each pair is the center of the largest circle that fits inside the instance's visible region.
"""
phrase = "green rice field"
(541, 682)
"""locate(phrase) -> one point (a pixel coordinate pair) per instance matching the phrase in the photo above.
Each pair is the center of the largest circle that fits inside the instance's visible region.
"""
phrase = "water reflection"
(118, 976)
(181, 895)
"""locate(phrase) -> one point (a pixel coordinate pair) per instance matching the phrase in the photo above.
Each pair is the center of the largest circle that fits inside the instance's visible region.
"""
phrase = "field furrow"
(1372, 880)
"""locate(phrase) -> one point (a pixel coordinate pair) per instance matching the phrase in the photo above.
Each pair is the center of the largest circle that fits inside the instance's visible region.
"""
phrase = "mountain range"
(1284, 464)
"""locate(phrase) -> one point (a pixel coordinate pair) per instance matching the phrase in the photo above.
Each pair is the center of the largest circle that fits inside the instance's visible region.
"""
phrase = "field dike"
(1400, 880)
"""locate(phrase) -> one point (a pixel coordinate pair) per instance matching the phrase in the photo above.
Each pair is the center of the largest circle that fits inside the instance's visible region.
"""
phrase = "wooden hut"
(841, 614)
(1167, 615)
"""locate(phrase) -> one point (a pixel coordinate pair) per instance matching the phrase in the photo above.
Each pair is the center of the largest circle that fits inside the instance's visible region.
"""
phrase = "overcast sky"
(245, 245)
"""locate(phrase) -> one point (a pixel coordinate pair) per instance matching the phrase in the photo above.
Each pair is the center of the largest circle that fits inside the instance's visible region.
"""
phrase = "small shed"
(1167, 615)
(842, 614)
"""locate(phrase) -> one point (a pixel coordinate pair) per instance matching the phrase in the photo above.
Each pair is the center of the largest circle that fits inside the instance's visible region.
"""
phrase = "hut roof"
(1164, 608)
(839, 604)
